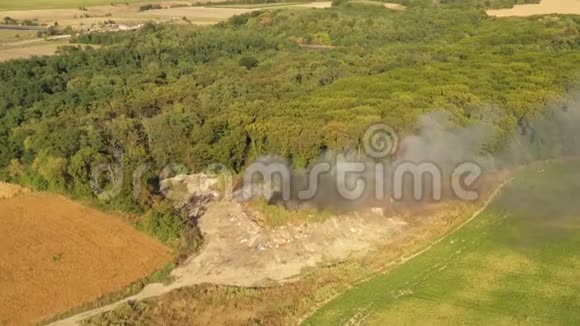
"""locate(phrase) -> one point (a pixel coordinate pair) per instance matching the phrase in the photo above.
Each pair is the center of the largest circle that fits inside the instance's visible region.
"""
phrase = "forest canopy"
(252, 86)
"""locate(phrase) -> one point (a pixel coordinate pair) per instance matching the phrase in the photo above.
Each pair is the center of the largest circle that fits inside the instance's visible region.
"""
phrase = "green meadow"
(516, 263)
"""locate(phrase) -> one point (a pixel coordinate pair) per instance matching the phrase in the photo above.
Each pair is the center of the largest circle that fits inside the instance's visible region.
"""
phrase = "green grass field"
(517, 263)
(59, 4)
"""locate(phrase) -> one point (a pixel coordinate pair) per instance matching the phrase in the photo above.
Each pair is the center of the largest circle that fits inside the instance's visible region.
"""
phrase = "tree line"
(248, 87)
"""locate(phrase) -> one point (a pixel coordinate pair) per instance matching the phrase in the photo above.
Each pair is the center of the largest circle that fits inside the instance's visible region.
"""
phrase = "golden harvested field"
(129, 14)
(94, 18)
(123, 14)
(543, 8)
(196, 14)
(56, 254)
(30, 48)
(48, 4)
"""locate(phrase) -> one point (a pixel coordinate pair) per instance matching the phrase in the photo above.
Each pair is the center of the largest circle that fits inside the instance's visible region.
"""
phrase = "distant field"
(55, 4)
(56, 254)
(545, 7)
(95, 13)
(203, 14)
(516, 263)
(37, 48)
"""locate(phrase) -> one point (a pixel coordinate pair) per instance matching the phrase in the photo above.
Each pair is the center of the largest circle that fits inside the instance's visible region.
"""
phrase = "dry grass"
(124, 14)
(394, 6)
(8, 36)
(28, 50)
(130, 14)
(57, 254)
(192, 13)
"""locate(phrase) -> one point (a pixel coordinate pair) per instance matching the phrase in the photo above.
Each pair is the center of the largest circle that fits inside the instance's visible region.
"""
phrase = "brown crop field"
(56, 254)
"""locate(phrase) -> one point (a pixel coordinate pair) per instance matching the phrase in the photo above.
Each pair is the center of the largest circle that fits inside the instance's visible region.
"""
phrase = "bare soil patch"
(543, 8)
(394, 6)
(117, 17)
(9, 36)
(56, 254)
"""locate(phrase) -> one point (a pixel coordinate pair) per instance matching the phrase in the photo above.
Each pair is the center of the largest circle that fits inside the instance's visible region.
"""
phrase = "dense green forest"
(252, 86)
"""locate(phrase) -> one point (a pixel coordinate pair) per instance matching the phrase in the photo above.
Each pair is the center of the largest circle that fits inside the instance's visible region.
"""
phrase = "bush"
(149, 7)
(321, 39)
(249, 62)
(174, 228)
(165, 223)
(10, 21)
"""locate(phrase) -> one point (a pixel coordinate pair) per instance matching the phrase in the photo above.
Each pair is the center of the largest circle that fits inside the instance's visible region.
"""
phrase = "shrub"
(165, 223)
(173, 227)
(249, 62)
(10, 21)
(149, 7)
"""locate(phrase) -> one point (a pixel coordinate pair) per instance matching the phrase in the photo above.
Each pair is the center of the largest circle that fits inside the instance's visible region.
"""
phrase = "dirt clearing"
(543, 8)
(56, 254)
